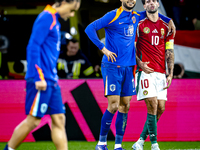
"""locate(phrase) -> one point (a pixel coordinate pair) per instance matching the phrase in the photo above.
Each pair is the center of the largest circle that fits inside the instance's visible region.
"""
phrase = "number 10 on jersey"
(154, 40)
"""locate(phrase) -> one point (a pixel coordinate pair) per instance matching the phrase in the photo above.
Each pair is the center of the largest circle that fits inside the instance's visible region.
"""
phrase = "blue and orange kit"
(44, 46)
(120, 31)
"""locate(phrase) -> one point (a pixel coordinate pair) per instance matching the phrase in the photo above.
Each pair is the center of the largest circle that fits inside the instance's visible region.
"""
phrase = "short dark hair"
(58, 2)
(73, 40)
(143, 1)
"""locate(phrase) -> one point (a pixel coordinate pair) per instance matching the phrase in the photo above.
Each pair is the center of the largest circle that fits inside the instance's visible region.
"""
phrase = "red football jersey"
(151, 40)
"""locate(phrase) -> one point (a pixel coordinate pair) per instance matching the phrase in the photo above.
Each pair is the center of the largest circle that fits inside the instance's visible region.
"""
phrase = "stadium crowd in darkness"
(12, 66)
(185, 13)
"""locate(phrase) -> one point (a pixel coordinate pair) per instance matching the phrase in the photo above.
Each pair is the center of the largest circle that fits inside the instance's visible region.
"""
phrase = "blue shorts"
(118, 80)
(38, 103)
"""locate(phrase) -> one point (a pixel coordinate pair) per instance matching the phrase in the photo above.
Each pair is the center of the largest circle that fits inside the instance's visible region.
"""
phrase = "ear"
(77, 5)
(144, 6)
(63, 2)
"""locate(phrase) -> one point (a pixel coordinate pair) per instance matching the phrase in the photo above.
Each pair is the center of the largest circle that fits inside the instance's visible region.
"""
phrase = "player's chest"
(155, 34)
(125, 26)
(54, 34)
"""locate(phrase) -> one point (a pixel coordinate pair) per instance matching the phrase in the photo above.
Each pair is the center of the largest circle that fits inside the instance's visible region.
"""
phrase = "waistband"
(49, 82)
(113, 65)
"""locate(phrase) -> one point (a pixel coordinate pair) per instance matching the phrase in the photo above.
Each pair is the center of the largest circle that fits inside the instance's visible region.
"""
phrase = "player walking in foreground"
(117, 66)
(155, 48)
(43, 94)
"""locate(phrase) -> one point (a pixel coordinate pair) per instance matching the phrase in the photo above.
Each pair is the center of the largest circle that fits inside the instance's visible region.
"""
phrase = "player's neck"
(153, 17)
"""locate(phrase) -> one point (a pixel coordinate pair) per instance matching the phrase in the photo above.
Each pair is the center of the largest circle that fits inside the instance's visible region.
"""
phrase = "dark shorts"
(118, 80)
(38, 103)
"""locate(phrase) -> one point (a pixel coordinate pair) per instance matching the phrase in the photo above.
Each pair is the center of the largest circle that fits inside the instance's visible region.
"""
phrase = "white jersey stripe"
(35, 109)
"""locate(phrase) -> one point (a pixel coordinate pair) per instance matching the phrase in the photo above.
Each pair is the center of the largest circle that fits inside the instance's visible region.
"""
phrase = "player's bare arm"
(41, 85)
(143, 66)
(169, 56)
(109, 54)
(172, 28)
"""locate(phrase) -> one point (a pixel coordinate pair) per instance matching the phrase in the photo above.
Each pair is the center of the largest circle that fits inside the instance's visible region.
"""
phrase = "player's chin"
(130, 7)
(152, 11)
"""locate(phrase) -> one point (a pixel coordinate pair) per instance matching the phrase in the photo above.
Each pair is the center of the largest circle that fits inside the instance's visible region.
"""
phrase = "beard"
(152, 11)
(127, 7)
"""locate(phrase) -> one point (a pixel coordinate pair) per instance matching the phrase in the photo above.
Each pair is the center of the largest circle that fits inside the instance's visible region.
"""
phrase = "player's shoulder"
(114, 12)
(45, 14)
(138, 13)
(143, 20)
(163, 22)
(113, 15)
(44, 17)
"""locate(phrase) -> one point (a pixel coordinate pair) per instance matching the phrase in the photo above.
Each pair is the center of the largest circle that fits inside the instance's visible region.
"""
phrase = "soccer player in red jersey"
(154, 49)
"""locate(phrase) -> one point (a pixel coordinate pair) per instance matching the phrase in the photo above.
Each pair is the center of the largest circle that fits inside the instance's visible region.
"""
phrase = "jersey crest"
(134, 19)
(162, 33)
(146, 30)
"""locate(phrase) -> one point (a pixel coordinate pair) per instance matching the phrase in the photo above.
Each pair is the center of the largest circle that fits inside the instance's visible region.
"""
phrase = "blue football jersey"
(120, 31)
(43, 48)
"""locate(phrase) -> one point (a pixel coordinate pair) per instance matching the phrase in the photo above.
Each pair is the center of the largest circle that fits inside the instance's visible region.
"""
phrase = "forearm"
(169, 56)
(138, 61)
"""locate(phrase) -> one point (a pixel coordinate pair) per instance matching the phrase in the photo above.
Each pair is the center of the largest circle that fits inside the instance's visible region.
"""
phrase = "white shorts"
(151, 85)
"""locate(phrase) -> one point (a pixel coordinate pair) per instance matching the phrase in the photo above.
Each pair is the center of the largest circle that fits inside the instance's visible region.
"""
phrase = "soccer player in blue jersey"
(43, 94)
(117, 65)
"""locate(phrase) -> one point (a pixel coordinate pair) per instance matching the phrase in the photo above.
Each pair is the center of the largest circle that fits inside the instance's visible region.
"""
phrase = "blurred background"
(17, 17)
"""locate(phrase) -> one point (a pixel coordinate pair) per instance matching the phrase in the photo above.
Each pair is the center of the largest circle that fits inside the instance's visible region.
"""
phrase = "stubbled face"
(72, 48)
(151, 6)
(128, 4)
(69, 9)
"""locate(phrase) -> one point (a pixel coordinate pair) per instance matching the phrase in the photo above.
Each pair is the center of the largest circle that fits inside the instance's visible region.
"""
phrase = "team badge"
(146, 30)
(134, 19)
(43, 108)
(145, 92)
(112, 87)
(162, 33)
